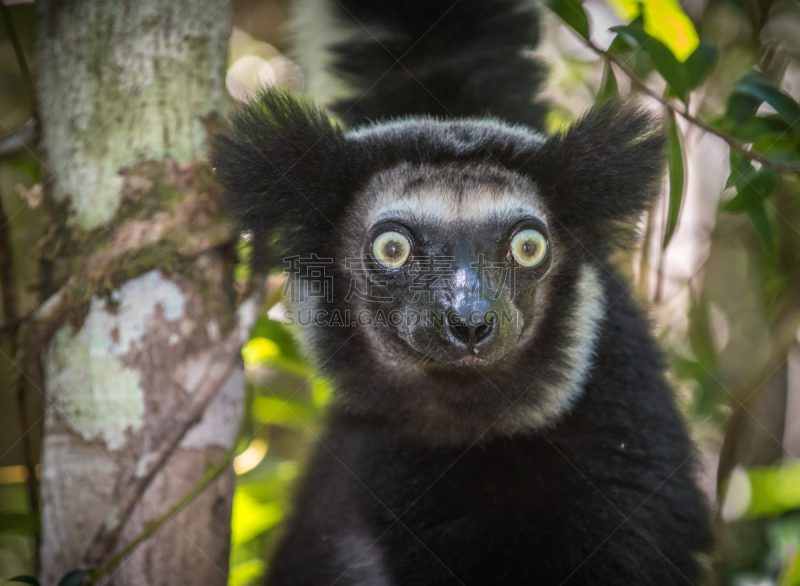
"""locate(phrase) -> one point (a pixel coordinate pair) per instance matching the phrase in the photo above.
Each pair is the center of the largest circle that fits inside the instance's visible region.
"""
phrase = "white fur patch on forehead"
(450, 194)
(440, 206)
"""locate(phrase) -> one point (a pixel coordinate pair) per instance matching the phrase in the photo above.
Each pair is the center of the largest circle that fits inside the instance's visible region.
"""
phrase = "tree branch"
(19, 141)
(11, 325)
(732, 141)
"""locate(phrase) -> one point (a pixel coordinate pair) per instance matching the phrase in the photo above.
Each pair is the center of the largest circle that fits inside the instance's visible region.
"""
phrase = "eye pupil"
(527, 248)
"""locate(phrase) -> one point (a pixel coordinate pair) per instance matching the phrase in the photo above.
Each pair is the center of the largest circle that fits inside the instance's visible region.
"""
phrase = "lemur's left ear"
(607, 167)
(285, 174)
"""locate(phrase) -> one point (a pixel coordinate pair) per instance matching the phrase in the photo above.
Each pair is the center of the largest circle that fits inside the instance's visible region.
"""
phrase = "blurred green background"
(719, 266)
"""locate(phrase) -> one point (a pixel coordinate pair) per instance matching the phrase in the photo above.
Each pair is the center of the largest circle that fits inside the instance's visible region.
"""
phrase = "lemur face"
(468, 279)
(455, 258)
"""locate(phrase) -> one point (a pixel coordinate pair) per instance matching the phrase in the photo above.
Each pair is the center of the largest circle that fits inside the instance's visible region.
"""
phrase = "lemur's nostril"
(468, 333)
(460, 331)
(481, 332)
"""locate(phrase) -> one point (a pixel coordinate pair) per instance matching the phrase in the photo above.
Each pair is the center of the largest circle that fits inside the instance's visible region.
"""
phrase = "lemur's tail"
(441, 57)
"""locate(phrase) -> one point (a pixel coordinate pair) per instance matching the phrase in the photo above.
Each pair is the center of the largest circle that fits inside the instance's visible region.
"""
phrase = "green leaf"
(700, 63)
(73, 578)
(19, 523)
(286, 413)
(768, 491)
(246, 572)
(755, 127)
(620, 45)
(25, 580)
(756, 86)
(673, 71)
(752, 190)
(766, 232)
(251, 518)
(741, 168)
(573, 14)
(25, 164)
(777, 147)
(741, 108)
(609, 89)
(677, 180)
(790, 572)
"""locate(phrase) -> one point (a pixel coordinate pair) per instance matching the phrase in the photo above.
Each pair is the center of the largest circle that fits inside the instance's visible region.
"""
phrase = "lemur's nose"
(470, 330)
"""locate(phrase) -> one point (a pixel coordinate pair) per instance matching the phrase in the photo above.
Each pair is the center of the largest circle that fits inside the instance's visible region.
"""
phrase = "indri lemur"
(515, 426)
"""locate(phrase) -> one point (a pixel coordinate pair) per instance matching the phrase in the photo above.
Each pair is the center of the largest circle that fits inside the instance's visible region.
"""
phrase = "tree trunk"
(142, 327)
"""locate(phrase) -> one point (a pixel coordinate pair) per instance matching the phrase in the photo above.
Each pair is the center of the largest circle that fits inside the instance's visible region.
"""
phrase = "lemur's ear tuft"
(608, 167)
(284, 171)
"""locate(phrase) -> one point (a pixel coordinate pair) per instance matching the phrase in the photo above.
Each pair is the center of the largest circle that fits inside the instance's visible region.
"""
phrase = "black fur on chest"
(605, 497)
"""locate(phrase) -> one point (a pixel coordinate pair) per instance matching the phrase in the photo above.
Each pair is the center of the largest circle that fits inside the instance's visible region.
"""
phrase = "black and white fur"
(560, 458)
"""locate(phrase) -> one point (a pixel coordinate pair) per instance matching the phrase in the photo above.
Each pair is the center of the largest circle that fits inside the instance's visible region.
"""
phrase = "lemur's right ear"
(606, 168)
(285, 174)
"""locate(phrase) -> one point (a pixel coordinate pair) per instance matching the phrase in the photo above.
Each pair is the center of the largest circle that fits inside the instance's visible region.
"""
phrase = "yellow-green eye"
(529, 247)
(391, 249)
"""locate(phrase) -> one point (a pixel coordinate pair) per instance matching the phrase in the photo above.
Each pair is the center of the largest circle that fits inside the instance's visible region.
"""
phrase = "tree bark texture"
(138, 273)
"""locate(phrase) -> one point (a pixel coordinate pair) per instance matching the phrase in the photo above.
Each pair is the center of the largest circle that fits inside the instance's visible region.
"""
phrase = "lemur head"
(464, 294)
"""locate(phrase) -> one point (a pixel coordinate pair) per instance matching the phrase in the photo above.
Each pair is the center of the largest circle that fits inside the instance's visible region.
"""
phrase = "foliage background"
(719, 266)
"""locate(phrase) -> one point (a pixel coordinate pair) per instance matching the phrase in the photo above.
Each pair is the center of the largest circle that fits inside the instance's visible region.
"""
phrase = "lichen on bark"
(124, 84)
(82, 366)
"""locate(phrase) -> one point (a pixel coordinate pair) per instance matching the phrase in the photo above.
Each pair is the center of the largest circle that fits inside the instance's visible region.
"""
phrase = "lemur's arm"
(445, 58)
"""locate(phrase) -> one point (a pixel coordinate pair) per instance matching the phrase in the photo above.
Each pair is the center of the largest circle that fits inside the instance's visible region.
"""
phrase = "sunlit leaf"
(321, 392)
(251, 518)
(280, 412)
(769, 490)
(278, 333)
(295, 367)
(246, 572)
(259, 351)
(609, 89)
(244, 253)
(671, 69)
(676, 180)
(557, 120)
(664, 20)
(572, 13)
(752, 189)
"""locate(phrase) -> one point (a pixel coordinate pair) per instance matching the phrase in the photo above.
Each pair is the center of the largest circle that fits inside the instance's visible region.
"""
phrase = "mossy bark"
(128, 94)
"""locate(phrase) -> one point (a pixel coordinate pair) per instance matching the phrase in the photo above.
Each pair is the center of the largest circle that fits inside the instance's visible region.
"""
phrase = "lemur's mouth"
(468, 362)
(471, 361)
